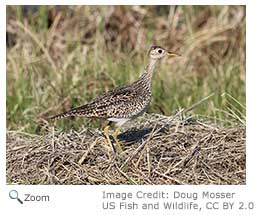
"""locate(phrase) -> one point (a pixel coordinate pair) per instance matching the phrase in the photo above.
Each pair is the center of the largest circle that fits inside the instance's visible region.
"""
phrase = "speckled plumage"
(122, 103)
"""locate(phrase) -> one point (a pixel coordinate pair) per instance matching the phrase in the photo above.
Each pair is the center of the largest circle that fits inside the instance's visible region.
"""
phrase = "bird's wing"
(105, 106)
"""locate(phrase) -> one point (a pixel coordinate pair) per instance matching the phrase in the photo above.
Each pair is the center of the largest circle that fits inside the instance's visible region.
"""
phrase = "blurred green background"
(59, 57)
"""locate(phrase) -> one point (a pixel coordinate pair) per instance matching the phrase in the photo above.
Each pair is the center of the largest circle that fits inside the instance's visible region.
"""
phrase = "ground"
(157, 150)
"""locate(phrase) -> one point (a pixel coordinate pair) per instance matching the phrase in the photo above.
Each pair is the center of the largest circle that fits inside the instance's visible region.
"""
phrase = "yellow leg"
(106, 133)
(115, 137)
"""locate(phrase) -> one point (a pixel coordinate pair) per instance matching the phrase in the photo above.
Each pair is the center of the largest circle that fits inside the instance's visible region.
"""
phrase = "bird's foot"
(106, 133)
(115, 137)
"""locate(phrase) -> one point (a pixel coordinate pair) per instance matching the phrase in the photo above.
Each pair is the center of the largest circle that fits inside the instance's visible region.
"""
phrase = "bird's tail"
(79, 111)
(61, 115)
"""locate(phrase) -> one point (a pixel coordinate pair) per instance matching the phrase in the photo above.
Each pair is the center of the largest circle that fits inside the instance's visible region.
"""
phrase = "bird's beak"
(172, 54)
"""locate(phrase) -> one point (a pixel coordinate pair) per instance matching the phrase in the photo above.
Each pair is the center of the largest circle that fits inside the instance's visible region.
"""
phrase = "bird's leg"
(106, 133)
(115, 137)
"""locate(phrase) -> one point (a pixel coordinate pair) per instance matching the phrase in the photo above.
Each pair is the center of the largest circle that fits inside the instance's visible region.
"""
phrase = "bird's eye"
(160, 51)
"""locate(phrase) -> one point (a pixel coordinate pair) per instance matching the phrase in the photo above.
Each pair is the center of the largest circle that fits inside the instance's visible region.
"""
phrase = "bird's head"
(157, 52)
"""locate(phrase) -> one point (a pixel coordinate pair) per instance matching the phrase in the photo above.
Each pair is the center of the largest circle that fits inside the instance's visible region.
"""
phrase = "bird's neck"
(150, 67)
(145, 79)
(149, 70)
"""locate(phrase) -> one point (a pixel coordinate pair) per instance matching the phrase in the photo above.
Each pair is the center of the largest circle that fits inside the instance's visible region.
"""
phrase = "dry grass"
(157, 150)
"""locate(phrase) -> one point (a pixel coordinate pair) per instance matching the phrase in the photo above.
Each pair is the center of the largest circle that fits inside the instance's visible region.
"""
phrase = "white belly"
(119, 121)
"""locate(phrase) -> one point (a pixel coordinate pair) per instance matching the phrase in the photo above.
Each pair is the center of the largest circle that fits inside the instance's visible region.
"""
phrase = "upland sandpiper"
(122, 103)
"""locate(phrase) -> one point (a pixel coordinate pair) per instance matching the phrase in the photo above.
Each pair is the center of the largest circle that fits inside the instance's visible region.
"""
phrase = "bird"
(123, 103)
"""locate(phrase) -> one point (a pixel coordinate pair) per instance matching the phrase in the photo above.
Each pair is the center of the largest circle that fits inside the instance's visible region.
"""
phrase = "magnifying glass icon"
(13, 194)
